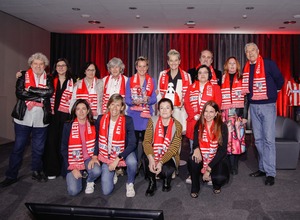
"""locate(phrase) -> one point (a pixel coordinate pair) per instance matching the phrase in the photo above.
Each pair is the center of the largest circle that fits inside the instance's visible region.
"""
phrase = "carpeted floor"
(243, 198)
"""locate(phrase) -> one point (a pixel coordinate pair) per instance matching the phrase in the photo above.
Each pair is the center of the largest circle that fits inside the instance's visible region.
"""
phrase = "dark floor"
(242, 198)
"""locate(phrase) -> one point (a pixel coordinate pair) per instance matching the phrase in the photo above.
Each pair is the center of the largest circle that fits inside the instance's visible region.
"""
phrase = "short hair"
(238, 67)
(90, 113)
(69, 74)
(174, 52)
(212, 54)
(38, 56)
(116, 62)
(165, 100)
(117, 97)
(84, 68)
(251, 44)
(142, 58)
(208, 69)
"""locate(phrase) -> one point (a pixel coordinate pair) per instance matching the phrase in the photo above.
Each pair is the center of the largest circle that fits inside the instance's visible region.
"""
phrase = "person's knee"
(73, 191)
(107, 190)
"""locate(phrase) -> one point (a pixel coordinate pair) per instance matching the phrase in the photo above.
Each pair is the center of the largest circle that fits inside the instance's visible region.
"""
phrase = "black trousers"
(166, 172)
(219, 174)
(52, 159)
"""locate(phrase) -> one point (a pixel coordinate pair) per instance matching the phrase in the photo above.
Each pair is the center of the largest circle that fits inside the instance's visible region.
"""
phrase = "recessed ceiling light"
(132, 8)
(190, 23)
(244, 16)
(94, 22)
(296, 16)
(137, 16)
(85, 16)
(76, 9)
(289, 22)
(190, 7)
(249, 8)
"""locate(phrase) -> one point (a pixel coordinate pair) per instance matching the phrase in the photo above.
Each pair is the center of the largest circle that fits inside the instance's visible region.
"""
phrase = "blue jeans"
(74, 186)
(107, 177)
(263, 117)
(22, 134)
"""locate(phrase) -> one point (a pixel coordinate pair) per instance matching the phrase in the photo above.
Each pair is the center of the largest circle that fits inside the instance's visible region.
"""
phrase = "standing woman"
(210, 150)
(78, 143)
(161, 146)
(140, 96)
(115, 82)
(201, 91)
(90, 88)
(173, 84)
(233, 112)
(60, 104)
(116, 145)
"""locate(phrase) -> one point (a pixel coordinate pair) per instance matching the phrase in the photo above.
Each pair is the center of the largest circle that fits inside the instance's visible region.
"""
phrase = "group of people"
(87, 129)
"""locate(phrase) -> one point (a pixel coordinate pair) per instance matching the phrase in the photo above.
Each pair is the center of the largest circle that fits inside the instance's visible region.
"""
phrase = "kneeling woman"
(161, 145)
(210, 150)
(116, 145)
(78, 143)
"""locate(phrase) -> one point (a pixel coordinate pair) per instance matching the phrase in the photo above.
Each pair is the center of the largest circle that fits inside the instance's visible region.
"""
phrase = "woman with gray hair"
(31, 118)
(115, 82)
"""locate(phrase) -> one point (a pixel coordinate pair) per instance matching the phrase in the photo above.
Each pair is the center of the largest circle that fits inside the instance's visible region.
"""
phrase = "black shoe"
(39, 176)
(7, 182)
(151, 188)
(270, 180)
(257, 174)
(166, 185)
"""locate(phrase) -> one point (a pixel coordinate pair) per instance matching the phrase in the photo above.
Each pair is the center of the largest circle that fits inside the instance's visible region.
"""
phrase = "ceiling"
(158, 16)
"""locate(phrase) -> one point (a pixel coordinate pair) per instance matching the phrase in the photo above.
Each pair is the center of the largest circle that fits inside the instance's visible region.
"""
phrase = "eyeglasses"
(63, 65)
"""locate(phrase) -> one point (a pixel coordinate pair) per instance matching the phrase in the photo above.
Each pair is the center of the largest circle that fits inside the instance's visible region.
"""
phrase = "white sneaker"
(89, 187)
(115, 178)
(209, 183)
(51, 177)
(188, 180)
(130, 190)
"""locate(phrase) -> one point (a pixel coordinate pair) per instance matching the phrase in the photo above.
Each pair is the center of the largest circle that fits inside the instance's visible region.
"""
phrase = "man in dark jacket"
(31, 117)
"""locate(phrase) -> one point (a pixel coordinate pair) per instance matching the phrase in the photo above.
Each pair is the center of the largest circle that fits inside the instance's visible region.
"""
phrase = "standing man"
(262, 80)
(31, 117)
(206, 58)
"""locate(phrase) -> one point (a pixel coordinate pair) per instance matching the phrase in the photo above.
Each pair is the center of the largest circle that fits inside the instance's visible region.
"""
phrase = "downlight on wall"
(190, 24)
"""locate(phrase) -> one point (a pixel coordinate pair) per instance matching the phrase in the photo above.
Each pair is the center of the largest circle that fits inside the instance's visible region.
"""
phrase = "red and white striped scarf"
(75, 155)
(164, 81)
(208, 94)
(232, 98)
(66, 97)
(136, 90)
(259, 80)
(161, 143)
(208, 146)
(89, 95)
(293, 92)
(214, 79)
(106, 95)
(30, 82)
(118, 139)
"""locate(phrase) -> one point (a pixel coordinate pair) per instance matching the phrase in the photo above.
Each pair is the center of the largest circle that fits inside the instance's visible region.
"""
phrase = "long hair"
(89, 115)
(238, 67)
(217, 129)
(69, 74)
(85, 67)
(117, 97)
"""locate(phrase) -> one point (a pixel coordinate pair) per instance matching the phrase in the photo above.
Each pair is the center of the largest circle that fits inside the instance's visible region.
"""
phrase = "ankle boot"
(152, 186)
(166, 184)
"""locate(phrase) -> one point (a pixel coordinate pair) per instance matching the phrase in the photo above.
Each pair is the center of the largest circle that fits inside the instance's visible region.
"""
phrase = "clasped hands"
(154, 167)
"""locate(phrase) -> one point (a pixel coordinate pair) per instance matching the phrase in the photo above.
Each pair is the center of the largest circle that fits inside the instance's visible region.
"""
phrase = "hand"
(145, 99)
(244, 121)
(197, 156)
(18, 74)
(92, 162)
(196, 117)
(76, 173)
(114, 164)
(151, 166)
(158, 168)
(206, 176)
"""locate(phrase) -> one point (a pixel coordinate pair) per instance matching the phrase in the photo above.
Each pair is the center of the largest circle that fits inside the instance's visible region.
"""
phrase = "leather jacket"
(36, 94)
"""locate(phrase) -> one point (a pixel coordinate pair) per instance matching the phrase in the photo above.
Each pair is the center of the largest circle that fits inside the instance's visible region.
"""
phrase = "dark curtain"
(100, 48)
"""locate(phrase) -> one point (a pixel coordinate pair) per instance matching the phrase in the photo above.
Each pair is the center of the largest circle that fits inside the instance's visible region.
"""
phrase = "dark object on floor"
(287, 143)
(42, 211)
(270, 180)
(39, 176)
(257, 174)
(8, 182)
